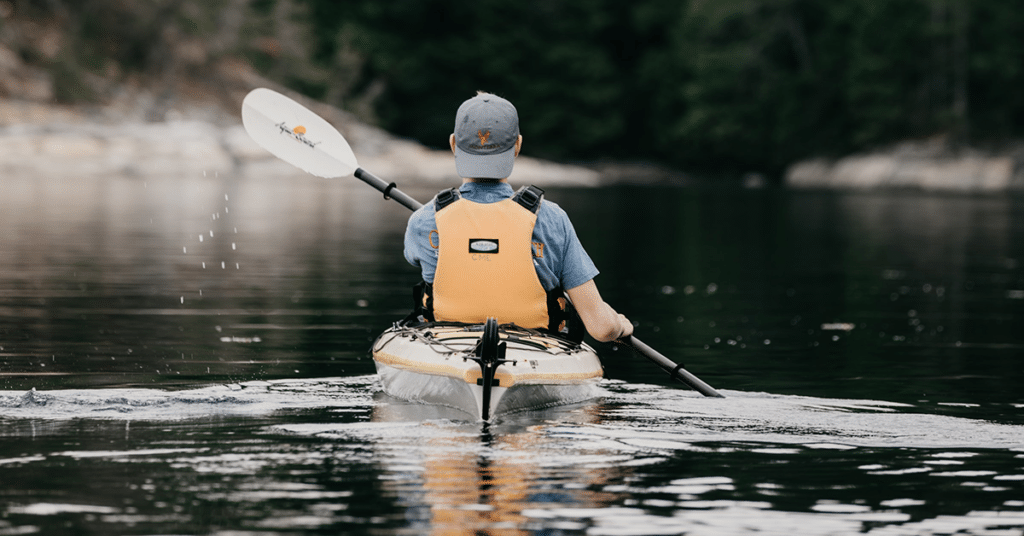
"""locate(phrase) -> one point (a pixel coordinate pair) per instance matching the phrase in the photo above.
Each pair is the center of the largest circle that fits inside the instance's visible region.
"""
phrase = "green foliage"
(740, 84)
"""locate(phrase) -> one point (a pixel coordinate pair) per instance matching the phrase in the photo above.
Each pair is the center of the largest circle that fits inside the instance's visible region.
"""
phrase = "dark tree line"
(733, 84)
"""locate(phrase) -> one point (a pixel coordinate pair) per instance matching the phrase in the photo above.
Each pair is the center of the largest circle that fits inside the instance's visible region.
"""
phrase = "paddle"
(293, 133)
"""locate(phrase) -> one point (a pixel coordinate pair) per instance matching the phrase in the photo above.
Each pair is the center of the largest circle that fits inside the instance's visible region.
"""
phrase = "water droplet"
(182, 299)
(233, 246)
(200, 238)
(362, 303)
(222, 265)
(184, 249)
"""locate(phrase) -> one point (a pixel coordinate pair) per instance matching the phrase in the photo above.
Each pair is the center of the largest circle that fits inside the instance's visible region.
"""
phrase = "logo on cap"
(484, 136)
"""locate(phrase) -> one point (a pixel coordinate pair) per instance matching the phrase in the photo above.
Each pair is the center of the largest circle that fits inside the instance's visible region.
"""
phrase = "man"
(485, 250)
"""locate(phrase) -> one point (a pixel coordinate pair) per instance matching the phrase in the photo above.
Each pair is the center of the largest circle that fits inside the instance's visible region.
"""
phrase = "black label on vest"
(483, 245)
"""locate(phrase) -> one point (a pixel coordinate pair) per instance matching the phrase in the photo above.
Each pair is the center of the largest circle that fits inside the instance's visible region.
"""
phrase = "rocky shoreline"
(930, 165)
(37, 139)
(122, 139)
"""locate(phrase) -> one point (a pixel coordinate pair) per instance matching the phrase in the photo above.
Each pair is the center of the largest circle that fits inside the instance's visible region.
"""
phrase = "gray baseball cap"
(486, 130)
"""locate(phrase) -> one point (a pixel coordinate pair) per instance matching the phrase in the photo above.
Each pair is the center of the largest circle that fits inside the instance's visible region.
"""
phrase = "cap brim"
(491, 166)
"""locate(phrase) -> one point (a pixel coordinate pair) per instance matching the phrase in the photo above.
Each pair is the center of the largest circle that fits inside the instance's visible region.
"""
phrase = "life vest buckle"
(529, 197)
(445, 198)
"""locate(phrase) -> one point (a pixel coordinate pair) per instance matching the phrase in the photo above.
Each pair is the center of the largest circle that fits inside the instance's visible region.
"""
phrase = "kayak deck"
(437, 363)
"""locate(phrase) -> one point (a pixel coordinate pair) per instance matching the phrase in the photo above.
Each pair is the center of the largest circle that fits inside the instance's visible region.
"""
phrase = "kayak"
(485, 370)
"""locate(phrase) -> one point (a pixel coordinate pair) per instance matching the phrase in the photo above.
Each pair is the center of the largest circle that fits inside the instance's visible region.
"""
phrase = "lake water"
(190, 356)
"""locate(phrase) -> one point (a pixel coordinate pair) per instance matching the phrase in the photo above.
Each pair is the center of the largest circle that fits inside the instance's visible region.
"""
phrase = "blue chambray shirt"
(564, 261)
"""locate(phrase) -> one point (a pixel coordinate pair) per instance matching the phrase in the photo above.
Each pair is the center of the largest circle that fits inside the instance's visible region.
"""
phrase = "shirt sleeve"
(565, 261)
(578, 268)
(418, 249)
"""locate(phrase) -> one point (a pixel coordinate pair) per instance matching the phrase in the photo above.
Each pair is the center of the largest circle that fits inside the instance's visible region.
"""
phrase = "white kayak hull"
(433, 364)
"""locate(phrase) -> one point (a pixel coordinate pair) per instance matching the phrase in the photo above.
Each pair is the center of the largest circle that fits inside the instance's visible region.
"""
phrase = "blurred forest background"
(725, 85)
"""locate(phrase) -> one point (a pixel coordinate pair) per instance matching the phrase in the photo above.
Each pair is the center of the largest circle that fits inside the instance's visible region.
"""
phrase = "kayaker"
(485, 250)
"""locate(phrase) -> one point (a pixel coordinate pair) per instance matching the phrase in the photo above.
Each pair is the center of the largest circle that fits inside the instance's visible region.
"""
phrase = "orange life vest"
(485, 263)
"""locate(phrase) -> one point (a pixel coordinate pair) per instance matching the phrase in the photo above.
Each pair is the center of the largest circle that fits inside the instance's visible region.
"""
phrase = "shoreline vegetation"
(107, 86)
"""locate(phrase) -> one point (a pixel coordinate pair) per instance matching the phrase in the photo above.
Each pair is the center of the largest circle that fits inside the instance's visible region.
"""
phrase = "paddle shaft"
(674, 370)
(388, 189)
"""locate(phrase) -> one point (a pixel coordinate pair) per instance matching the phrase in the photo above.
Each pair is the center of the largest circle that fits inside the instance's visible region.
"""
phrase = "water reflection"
(482, 478)
(126, 281)
(337, 454)
(749, 287)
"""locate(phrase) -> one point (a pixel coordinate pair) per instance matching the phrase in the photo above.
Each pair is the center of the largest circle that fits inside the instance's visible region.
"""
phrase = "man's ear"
(519, 143)
(451, 141)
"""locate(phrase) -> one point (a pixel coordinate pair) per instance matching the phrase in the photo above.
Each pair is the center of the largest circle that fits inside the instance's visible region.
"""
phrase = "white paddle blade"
(296, 135)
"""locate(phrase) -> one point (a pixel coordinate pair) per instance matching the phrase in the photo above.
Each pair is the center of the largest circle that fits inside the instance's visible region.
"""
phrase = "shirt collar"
(486, 192)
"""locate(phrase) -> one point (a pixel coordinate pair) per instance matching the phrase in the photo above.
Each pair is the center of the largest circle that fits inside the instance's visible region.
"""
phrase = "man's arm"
(602, 322)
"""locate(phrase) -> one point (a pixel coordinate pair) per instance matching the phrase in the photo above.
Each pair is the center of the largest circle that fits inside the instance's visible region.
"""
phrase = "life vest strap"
(563, 318)
(445, 198)
(529, 197)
